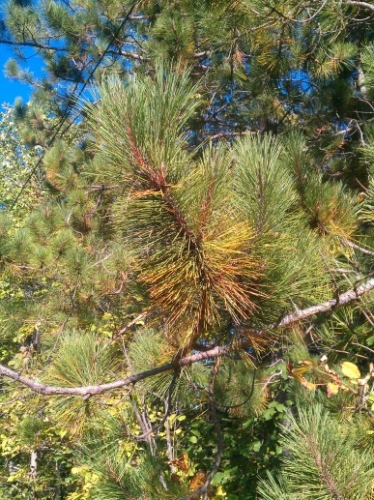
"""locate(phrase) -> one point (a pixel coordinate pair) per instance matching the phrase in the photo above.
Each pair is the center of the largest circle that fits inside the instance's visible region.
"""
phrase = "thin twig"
(357, 247)
(230, 407)
(129, 325)
(363, 347)
(155, 430)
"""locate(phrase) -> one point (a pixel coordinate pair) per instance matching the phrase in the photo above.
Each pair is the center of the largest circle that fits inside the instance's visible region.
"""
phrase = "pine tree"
(186, 274)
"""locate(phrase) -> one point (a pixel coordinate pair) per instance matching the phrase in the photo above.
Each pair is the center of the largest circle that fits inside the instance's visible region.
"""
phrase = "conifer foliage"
(186, 252)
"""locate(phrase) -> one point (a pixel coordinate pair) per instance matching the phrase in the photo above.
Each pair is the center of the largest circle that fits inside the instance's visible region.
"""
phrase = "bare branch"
(357, 247)
(341, 300)
(213, 353)
(363, 347)
(366, 5)
(84, 392)
(131, 55)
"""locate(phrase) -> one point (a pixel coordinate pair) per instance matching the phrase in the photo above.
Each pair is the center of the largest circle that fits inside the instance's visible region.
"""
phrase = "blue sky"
(11, 89)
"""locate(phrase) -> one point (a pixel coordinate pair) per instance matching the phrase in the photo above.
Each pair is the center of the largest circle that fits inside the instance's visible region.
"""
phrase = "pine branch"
(213, 353)
(324, 472)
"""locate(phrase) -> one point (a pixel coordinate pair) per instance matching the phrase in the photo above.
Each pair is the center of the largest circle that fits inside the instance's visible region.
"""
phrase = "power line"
(70, 108)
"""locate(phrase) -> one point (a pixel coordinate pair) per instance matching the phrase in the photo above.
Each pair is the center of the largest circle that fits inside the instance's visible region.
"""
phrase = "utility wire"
(70, 108)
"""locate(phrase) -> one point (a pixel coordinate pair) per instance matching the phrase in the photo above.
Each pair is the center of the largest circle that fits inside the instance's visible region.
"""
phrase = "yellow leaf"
(332, 389)
(308, 385)
(220, 493)
(76, 470)
(350, 370)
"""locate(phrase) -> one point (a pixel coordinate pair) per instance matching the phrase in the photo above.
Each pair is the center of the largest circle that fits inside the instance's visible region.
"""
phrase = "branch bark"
(92, 390)
(366, 5)
(341, 300)
(350, 244)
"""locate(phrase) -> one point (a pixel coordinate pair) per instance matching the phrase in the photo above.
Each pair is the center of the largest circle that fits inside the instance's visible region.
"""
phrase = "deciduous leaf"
(332, 389)
(350, 370)
(308, 385)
